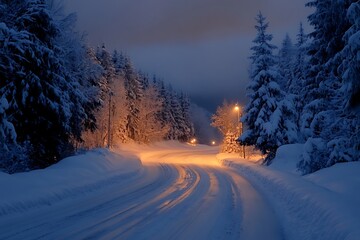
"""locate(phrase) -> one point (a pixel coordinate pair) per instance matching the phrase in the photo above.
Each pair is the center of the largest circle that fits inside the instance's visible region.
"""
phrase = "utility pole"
(109, 121)
(241, 132)
(237, 109)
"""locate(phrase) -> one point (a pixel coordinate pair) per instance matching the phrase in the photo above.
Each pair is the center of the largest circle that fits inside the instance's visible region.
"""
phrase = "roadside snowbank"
(287, 157)
(321, 205)
(69, 177)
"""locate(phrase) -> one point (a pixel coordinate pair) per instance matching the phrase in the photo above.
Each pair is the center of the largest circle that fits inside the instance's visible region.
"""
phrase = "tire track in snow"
(101, 205)
(166, 201)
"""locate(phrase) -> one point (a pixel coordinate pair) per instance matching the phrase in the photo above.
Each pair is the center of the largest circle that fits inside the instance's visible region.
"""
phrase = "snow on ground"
(71, 176)
(180, 191)
(173, 152)
(287, 158)
(169, 198)
(321, 205)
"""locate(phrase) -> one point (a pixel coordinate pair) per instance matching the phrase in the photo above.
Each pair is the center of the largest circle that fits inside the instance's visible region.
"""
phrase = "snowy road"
(163, 200)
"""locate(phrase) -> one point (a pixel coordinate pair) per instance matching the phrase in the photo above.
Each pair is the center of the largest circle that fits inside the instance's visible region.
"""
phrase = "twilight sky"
(199, 46)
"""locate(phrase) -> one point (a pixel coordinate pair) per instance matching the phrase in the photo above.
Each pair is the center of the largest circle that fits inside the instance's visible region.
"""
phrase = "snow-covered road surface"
(175, 200)
(179, 191)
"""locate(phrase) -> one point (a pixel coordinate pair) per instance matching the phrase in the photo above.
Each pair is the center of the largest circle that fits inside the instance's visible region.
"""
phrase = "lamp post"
(237, 109)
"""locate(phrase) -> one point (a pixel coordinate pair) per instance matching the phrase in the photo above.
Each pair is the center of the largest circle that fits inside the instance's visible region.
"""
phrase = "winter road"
(163, 200)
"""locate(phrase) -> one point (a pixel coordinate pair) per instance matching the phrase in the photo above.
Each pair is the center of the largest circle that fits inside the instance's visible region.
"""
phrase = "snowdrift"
(321, 205)
(71, 176)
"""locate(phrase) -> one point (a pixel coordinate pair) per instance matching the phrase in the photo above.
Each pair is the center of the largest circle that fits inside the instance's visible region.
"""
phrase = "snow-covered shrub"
(230, 145)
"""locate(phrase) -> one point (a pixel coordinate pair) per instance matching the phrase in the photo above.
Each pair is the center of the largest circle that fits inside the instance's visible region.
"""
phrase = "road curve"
(162, 201)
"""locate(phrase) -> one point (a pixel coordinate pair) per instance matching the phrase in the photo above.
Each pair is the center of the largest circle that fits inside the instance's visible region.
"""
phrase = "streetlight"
(237, 109)
(213, 143)
(193, 141)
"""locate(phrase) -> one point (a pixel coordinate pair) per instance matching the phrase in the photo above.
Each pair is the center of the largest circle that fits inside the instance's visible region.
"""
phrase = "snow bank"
(322, 205)
(287, 157)
(71, 176)
(342, 178)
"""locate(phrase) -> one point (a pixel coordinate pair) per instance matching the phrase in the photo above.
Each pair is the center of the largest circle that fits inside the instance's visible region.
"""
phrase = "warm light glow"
(193, 141)
(213, 143)
(236, 108)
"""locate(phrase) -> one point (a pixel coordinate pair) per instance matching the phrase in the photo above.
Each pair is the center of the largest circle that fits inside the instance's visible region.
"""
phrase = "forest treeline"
(308, 92)
(58, 94)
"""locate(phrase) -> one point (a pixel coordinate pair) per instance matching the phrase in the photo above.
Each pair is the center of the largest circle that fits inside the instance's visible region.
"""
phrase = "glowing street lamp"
(213, 143)
(237, 109)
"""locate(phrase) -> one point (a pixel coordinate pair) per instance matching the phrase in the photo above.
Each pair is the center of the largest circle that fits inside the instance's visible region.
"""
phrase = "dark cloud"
(139, 22)
(201, 46)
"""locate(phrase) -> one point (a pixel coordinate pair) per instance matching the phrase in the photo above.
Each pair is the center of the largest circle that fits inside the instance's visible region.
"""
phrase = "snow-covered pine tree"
(176, 118)
(119, 111)
(300, 62)
(105, 114)
(286, 63)
(7, 130)
(323, 116)
(150, 106)
(46, 79)
(270, 116)
(187, 126)
(301, 65)
(144, 80)
(38, 90)
(12, 156)
(324, 29)
(91, 137)
(81, 72)
(350, 67)
(230, 145)
(134, 93)
(165, 115)
(118, 59)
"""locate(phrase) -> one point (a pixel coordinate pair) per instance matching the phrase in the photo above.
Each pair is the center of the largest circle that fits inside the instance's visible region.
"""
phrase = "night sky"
(199, 46)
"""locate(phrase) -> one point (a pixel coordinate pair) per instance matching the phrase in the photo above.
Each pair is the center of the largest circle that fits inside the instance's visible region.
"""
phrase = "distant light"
(193, 141)
(236, 108)
(213, 143)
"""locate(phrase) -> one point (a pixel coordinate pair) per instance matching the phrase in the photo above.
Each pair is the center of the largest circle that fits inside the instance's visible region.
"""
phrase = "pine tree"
(286, 63)
(108, 77)
(134, 93)
(13, 157)
(119, 62)
(350, 67)
(176, 118)
(149, 127)
(186, 126)
(269, 115)
(301, 64)
(41, 96)
(230, 145)
(328, 126)
(80, 71)
(165, 115)
(118, 111)
(41, 65)
(350, 70)
(323, 79)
